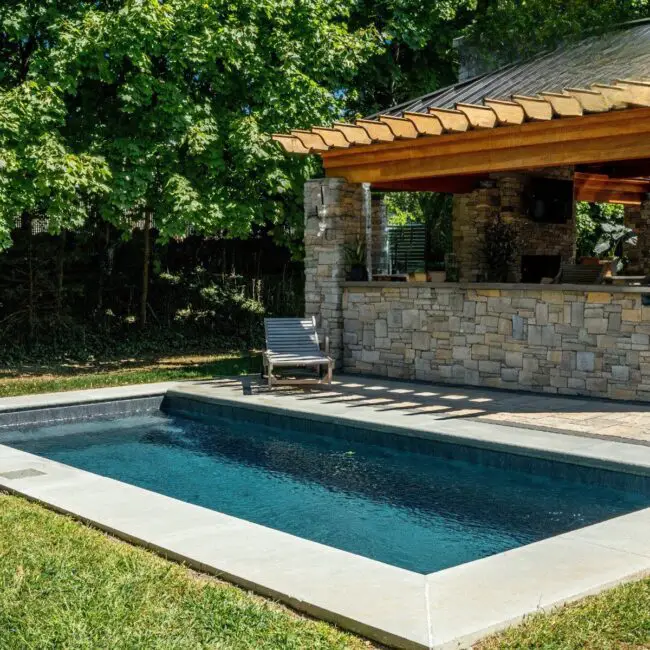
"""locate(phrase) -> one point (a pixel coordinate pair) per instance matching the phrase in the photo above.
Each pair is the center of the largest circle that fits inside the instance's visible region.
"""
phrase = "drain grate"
(21, 473)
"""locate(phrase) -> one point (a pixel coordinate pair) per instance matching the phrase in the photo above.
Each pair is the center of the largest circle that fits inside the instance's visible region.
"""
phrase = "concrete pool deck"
(447, 609)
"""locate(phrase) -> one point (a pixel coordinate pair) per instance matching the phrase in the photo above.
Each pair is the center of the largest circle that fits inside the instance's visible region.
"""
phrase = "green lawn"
(65, 585)
(121, 372)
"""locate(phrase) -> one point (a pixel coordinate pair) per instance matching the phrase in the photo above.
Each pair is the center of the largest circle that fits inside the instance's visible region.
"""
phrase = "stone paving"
(577, 416)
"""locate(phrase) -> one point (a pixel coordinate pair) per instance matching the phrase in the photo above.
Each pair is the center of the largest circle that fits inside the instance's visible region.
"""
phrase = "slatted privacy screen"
(291, 336)
(407, 245)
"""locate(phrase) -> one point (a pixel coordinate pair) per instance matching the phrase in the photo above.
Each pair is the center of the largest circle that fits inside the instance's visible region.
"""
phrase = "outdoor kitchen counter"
(509, 286)
(555, 338)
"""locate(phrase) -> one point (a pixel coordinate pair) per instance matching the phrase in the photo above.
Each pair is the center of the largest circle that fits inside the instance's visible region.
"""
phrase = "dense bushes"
(77, 295)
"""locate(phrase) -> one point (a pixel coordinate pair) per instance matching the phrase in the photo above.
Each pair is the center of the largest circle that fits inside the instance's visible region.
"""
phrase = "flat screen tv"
(550, 200)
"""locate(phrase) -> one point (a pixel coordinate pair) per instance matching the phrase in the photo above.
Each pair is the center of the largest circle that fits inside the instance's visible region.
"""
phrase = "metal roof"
(620, 54)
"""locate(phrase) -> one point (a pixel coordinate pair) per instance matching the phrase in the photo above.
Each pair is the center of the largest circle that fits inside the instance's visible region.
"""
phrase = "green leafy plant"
(500, 249)
(355, 260)
(613, 236)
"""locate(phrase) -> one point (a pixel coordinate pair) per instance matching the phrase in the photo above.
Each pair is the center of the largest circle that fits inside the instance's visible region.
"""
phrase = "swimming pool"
(411, 503)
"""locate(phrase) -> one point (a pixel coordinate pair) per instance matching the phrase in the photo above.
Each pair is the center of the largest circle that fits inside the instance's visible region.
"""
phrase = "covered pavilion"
(519, 145)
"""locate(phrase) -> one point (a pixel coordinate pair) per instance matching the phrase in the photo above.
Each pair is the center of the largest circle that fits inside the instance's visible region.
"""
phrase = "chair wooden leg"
(270, 374)
(329, 372)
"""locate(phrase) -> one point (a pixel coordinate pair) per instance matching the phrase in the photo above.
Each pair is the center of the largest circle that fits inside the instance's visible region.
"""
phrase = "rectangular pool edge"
(514, 446)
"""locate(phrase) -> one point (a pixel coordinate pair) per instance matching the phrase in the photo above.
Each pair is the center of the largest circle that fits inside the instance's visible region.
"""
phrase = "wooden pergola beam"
(571, 141)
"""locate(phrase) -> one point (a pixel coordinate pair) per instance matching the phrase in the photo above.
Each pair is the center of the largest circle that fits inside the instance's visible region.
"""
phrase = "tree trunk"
(146, 258)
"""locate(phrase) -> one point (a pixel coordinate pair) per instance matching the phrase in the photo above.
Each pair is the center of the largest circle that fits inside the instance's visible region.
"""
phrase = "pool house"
(518, 148)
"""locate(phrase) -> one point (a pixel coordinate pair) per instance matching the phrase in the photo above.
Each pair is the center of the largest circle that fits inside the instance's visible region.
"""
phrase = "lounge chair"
(293, 343)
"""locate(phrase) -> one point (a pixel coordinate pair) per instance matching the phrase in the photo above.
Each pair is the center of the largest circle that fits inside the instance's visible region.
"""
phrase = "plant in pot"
(437, 272)
(355, 260)
(612, 239)
(500, 249)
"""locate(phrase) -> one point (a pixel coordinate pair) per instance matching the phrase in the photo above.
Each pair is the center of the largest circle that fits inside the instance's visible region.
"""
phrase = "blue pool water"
(410, 509)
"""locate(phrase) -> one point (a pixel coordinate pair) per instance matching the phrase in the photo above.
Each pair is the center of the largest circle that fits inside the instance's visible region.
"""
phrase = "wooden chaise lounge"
(293, 343)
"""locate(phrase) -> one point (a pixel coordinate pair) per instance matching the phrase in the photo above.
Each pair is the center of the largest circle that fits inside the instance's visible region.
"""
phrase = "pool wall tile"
(619, 479)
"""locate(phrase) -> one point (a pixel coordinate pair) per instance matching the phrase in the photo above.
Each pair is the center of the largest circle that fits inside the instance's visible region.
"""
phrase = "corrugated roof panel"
(624, 53)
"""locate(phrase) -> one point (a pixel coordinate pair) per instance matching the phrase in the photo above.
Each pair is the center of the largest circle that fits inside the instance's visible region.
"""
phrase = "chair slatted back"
(296, 336)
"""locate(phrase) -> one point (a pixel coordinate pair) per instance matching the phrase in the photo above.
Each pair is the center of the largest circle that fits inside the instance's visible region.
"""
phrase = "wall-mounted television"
(550, 200)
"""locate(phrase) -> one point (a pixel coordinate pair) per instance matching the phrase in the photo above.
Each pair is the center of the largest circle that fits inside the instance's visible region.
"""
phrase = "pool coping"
(448, 609)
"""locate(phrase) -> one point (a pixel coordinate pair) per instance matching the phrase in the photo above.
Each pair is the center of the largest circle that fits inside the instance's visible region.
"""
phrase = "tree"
(509, 30)
(417, 56)
(172, 103)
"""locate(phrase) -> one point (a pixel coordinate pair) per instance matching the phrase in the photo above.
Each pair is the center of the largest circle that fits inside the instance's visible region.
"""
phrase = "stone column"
(471, 213)
(638, 218)
(332, 222)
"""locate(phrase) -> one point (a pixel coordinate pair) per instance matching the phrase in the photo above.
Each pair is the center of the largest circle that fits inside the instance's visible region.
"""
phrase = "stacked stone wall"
(572, 342)
(334, 222)
(474, 211)
(638, 218)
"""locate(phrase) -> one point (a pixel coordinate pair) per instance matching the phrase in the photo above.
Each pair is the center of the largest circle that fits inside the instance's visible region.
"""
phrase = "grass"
(618, 619)
(60, 377)
(65, 585)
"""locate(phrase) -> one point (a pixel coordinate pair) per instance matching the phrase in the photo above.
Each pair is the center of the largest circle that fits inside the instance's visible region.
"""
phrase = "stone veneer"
(571, 340)
(474, 211)
(638, 218)
(333, 221)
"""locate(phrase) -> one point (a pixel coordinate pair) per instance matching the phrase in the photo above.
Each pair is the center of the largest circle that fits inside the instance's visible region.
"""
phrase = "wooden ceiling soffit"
(310, 140)
(536, 109)
(425, 124)
(479, 117)
(376, 130)
(448, 184)
(563, 105)
(621, 135)
(290, 143)
(508, 113)
(332, 137)
(599, 188)
(354, 134)
(452, 121)
(401, 127)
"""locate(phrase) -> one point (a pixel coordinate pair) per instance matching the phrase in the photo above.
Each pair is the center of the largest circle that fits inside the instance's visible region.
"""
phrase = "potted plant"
(452, 267)
(500, 249)
(437, 272)
(612, 238)
(419, 275)
(355, 259)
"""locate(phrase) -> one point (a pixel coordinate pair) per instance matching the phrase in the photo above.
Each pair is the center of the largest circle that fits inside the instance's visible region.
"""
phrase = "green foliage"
(500, 249)
(416, 55)
(165, 108)
(355, 254)
(611, 241)
(590, 219)
(508, 30)
(431, 208)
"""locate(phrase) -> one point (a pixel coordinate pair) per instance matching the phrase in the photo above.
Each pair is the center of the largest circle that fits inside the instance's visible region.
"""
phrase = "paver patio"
(569, 415)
